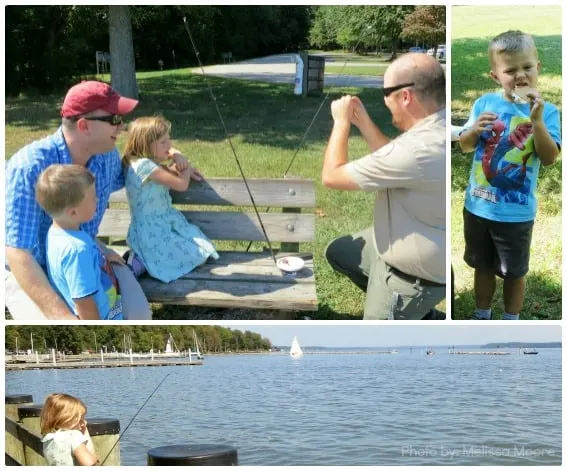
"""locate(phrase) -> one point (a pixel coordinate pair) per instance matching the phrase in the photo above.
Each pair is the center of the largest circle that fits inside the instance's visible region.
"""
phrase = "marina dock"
(91, 364)
(479, 353)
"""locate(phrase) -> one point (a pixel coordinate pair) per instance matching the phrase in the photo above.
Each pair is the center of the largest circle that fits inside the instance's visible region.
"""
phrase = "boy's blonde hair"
(60, 187)
(61, 411)
(510, 42)
(142, 133)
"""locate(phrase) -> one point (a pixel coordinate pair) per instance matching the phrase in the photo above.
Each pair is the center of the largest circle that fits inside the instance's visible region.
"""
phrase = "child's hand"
(180, 161)
(484, 122)
(536, 105)
(113, 257)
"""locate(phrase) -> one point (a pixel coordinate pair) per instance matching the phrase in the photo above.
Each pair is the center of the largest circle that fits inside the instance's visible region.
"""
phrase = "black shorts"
(500, 247)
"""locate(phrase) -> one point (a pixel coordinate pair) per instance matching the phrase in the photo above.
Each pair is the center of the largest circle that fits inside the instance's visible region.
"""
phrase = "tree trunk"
(122, 64)
(394, 49)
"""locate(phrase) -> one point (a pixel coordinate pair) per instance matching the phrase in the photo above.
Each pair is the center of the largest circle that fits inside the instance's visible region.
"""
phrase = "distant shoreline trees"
(76, 339)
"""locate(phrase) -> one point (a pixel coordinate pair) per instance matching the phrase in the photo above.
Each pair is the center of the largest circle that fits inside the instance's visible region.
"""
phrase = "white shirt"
(59, 447)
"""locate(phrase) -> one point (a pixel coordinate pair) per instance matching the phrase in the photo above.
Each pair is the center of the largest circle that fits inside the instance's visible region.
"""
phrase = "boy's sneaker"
(134, 263)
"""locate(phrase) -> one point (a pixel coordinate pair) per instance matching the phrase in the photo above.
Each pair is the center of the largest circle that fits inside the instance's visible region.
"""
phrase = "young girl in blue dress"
(159, 235)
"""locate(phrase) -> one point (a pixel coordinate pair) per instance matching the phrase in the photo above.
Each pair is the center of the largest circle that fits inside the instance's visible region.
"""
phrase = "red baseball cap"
(91, 95)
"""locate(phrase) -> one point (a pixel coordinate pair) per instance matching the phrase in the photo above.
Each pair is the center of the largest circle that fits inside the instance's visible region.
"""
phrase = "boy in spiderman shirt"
(511, 132)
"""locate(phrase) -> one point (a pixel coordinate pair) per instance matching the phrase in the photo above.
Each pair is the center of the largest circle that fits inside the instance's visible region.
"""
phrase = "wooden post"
(193, 455)
(13, 446)
(29, 416)
(13, 401)
(305, 57)
(105, 434)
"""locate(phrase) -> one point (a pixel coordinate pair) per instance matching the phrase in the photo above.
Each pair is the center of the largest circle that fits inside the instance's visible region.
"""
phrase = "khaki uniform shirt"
(408, 176)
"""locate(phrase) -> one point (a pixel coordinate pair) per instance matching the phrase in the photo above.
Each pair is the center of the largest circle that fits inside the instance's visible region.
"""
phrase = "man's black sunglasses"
(389, 90)
(113, 119)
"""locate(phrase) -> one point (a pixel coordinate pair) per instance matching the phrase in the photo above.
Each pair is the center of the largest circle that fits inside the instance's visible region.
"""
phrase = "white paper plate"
(290, 264)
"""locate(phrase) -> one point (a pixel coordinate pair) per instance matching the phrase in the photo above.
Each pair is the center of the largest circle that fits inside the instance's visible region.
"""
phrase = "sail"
(295, 350)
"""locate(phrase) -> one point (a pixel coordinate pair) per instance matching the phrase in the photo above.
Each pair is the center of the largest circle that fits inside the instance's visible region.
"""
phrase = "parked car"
(416, 49)
(440, 52)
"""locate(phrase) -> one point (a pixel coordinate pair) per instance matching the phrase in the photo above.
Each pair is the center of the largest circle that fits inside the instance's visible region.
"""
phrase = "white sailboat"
(200, 356)
(295, 350)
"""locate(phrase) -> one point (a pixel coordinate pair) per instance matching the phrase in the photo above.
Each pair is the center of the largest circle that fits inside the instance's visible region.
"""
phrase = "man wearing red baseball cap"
(90, 96)
(92, 118)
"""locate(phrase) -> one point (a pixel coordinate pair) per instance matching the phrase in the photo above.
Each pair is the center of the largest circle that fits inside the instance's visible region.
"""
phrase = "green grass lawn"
(472, 29)
(351, 69)
(266, 123)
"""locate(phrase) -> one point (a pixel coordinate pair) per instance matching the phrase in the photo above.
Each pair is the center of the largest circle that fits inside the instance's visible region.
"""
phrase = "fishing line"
(134, 418)
(213, 97)
(304, 138)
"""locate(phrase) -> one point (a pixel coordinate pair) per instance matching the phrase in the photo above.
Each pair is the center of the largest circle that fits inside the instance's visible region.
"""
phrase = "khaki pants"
(134, 303)
(388, 296)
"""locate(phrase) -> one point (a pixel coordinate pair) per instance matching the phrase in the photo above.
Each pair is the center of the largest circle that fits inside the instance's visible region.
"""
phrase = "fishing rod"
(134, 418)
(214, 98)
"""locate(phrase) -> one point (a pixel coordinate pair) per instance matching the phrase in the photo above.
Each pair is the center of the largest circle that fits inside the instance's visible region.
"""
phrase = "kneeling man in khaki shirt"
(399, 261)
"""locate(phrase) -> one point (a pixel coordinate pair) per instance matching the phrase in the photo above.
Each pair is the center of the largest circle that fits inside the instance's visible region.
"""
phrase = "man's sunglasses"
(113, 119)
(389, 90)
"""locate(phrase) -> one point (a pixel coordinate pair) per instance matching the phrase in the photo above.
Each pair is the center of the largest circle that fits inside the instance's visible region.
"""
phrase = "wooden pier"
(91, 364)
(479, 353)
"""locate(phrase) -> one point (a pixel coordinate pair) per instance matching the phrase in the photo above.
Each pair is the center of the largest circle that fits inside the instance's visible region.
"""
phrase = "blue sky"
(349, 335)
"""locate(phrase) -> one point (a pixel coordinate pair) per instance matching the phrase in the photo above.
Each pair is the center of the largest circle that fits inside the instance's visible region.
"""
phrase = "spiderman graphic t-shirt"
(505, 167)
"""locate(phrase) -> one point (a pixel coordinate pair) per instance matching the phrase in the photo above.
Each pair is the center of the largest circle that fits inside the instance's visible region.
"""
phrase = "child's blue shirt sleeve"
(80, 270)
(552, 120)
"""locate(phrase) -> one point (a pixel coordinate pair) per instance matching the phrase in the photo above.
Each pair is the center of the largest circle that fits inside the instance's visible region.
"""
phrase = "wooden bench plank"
(279, 193)
(232, 294)
(255, 268)
(227, 225)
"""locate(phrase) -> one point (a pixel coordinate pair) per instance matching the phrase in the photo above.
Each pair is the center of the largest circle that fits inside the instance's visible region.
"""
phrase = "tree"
(354, 26)
(122, 64)
(425, 25)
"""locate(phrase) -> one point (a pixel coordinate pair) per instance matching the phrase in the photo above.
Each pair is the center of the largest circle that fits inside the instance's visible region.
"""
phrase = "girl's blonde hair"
(142, 133)
(61, 411)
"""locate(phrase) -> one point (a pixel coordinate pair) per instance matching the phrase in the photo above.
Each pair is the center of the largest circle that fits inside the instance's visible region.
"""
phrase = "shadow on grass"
(542, 302)
(165, 312)
(470, 68)
(261, 113)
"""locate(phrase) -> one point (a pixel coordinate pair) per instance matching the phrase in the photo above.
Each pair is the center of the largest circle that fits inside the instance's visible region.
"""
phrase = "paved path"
(281, 69)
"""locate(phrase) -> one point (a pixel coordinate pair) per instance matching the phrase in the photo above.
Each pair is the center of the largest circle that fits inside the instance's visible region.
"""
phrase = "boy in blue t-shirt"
(75, 264)
(510, 132)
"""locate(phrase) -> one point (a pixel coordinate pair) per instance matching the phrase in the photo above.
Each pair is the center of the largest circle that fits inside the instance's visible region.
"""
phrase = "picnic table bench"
(238, 279)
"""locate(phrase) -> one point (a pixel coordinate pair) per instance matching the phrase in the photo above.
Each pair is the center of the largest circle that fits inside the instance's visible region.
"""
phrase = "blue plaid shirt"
(26, 223)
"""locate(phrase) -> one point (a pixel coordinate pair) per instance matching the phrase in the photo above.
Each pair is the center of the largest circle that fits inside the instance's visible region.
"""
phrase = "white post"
(101, 356)
(152, 351)
(36, 357)
(53, 353)
(189, 355)
(130, 356)
(17, 347)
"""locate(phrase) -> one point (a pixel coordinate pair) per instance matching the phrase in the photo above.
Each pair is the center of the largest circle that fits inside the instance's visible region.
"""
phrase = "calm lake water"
(368, 409)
